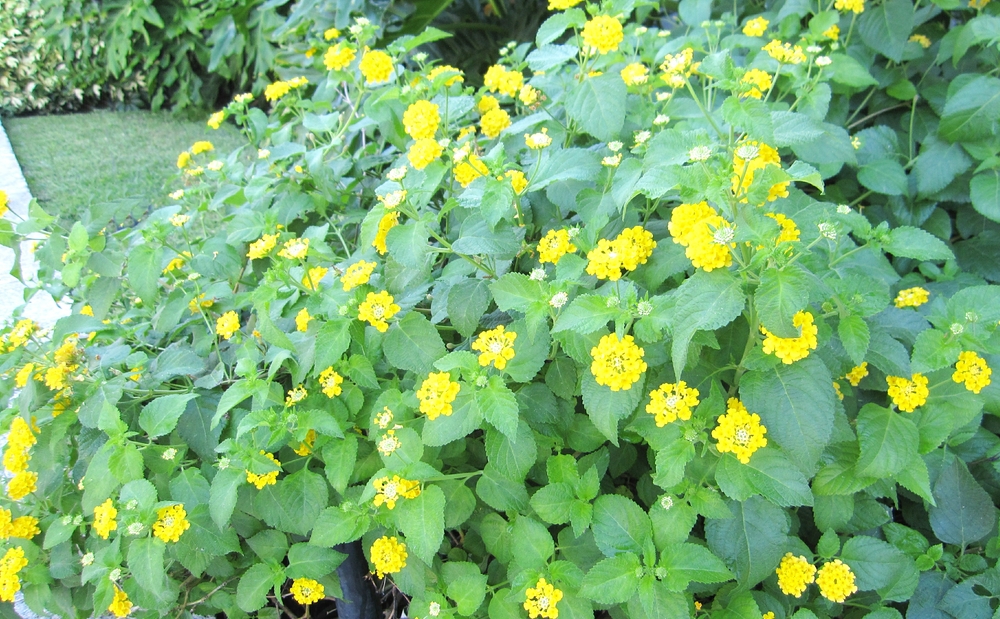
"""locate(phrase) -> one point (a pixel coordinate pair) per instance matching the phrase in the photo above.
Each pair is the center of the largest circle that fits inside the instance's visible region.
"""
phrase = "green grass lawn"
(73, 161)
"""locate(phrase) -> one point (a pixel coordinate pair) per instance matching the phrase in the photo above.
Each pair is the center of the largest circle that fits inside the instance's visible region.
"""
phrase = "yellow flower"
(496, 346)
(25, 527)
(785, 53)
(499, 79)
(541, 600)
(313, 277)
(383, 419)
(744, 170)
(277, 90)
(201, 146)
(792, 349)
(262, 246)
(528, 94)
(306, 591)
(704, 233)
(469, 170)
(388, 222)
(789, 231)
(972, 370)
(677, 68)
(756, 83)
(199, 302)
(836, 389)
(390, 491)
(227, 325)
(911, 297)
(388, 555)
(388, 443)
(635, 74)
(562, 5)
(305, 447)
(104, 519)
(376, 309)
(833, 32)
(295, 396)
(858, 6)
(755, 27)
(120, 606)
(836, 580)
(295, 249)
(330, 381)
(908, 394)
(456, 75)
(493, 122)
(178, 262)
(554, 245)
(421, 120)
(738, 432)
(3, 203)
(617, 363)
(603, 33)
(24, 375)
(487, 104)
(302, 320)
(392, 199)
(171, 523)
(517, 180)
(978, 4)
(55, 377)
(626, 252)
(330, 33)
(857, 373)
(436, 394)
(376, 66)
(267, 479)
(21, 485)
(538, 141)
(183, 160)
(338, 57)
(424, 152)
(795, 574)
(357, 274)
(672, 402)
(12, 562)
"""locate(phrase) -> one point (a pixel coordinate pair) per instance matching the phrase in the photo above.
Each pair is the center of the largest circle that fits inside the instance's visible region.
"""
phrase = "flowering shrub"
(623, 329)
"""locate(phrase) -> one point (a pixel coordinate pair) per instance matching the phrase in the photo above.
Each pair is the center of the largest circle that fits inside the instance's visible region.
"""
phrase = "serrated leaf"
(620, 525)
(854, 336)
(964, 511)
(498, 406)
(613, 580)
(984, 190)
(752, 542)
(705, 301)
(888, 441)
(781, 293)
(586, 314)
(422, 521)
(160, 416)
(554, 502)
(769, 473)
(597, 105)
(910, 242)
(413, 344)
(690, 562)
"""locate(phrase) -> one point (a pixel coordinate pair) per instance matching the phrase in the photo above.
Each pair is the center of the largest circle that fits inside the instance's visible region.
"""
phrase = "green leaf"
(237, 392)
(671, 462)
(305, 561)
(849, 72)
(466, 585)
(553, 502)
(915, 243)
(407, 243)
(972, 108)
(464, 420)
(796, 404)
(613, 580)
(515, 291)
(884, 176)
(620, 525)
(597, 105)
(501, 493)
(705, 301)
(781, 293)
(293, 504)
(886, 27)
(964, 511)
(413, 344)
(742, 606)
(145, 561)
(938, 164)
(769, 473)
(792, 128)
(752, 542)
(422, 522)
(144, 272)
(512, 458)
(336, 526)
(934, 350)
(498, 406)
(530, 351)
(750, 116)
(467, 302)
(854, 336)
(531, 544)
(549, 56)
(160, 416)
(332, 340)
(340, 458)
(888, 441)
(690, 562)
(879, 566)
(554, 27)
(223, 494)
(586, 314)
(606, 407)
(984, 190)
(251, 592)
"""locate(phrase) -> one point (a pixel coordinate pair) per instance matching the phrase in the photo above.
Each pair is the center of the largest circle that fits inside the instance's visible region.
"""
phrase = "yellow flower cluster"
(25, 527)
(469, 169)
(785, 53)
(15, 459)
(857, 373)
(833, 32)
(267, 479)
(792, 349)
(12, 562)
(858, 6)
(3, 203)
(302, 320)
(457, 76)
(376, 66)
(789, 231)
(421, 120)
(171, 522)
(908, 394)
(391, 490)
(104, 519)
(562, 5)
(541, 600)
(120, 606)
(617, 363)
(306, 591)
(538, 141)
(677, 68)
(215, 120)
(493, 122)
(424, 152)
(296, 395)
(911, 297)
(437, 392)
(836, 581)
(626, 252)
(277, 90)
(743, 170)
(755, 83)
(554, 245)
(262, 246)
(388, 222)
(388, 442)
(357, 274)
(496, 346)
(201, 146)
(795, 574)
(921, 40)
(972, 370)
(313, 277)
(388, 555)
(18, 336)
(603, 33)
(294, 249)
(703, 233)
(672, 402)
(306, 446)
(330, 381)
(506, 82)
(376, 309)
(738, 432)
(517, 180)
(755, 27)
(227, 324)
(635, 74)
(338, 57)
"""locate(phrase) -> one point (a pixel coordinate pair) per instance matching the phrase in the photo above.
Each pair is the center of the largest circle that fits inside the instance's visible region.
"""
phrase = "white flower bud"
(87, 559)
(558, 299)
(537, 274)
(700, 153)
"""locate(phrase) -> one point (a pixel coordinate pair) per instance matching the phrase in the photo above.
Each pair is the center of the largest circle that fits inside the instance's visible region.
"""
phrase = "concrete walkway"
(41, 308)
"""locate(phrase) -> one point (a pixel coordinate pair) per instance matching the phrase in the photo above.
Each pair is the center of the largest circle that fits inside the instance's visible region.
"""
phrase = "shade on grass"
(73, 161)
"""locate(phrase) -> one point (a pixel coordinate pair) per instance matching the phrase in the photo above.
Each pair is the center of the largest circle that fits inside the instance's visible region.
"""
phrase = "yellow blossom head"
(495, 346)
(376, 309)
(306, 591)
(671, 402)
(171, 522)
(836, 581)
(972, 370)
(908, 394)
(738, 432)
(617, 363)
(795, 574)
(542, 600)
(603, 33)
(436, 394)
(376, 66)
(792, 349)
(388, 555)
